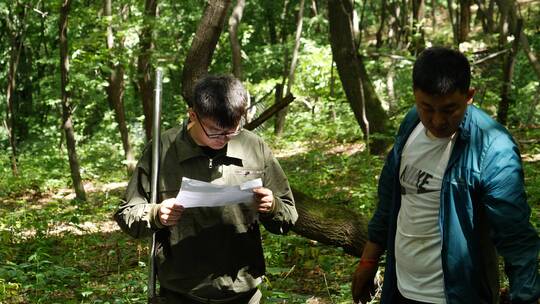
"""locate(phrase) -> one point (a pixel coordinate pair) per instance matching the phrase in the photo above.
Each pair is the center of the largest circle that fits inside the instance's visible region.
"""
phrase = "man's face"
(441, 115)
(206, 132)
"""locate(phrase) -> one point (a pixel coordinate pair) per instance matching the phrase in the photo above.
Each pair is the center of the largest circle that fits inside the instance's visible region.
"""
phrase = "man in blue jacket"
(451, 198)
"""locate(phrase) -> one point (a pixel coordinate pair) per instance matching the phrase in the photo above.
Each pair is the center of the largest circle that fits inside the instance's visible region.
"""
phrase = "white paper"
(195, 193)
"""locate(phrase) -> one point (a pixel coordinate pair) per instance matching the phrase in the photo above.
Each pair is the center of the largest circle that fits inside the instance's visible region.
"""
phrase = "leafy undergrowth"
(55, 249)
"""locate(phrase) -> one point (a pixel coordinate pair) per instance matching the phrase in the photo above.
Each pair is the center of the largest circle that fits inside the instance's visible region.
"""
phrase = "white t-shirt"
(418, 239)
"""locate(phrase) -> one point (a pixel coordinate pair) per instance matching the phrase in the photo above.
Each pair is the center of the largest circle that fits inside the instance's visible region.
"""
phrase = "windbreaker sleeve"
(284, 214)
(508, 213)
(379, 224)
(136, 216)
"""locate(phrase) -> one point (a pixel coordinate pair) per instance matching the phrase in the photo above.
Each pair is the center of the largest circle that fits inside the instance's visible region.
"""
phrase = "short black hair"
(221, 98)
(440, 71)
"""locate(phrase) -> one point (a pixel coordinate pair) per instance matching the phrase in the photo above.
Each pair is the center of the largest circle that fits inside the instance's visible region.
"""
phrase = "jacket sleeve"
(508, 214)
(379, 224)
(136, 216)
(284, 214)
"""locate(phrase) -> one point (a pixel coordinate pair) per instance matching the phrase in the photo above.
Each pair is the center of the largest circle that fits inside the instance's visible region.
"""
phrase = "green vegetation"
(57, 249)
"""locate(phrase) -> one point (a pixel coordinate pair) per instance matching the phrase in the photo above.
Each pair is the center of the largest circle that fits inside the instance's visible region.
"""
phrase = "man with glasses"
(210, 254)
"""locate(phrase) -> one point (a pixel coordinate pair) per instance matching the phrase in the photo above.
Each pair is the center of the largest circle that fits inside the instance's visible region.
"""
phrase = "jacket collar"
(187, 148)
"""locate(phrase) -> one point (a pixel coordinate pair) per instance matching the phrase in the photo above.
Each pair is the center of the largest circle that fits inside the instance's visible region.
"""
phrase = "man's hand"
(363, 280)
(170, 212)
(264, 199)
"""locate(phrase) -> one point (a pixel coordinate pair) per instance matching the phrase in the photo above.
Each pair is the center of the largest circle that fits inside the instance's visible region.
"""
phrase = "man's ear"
(470, 95)
(191, 114)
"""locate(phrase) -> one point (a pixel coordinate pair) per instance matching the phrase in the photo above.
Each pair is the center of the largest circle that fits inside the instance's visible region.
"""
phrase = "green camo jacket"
(213, 252)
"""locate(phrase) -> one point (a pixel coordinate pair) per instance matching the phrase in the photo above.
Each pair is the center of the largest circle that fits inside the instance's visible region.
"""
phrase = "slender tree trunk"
(271, 21)
(144, 67)
(530, 54)
(16, 46)
(453, 20)
(379, 34)
(234, 22)
(280, 117)
(433, 14)
(115, 92)
(418, 41)
(508, 73)
(203, 45)
(464, 20)
(67, 119)
(352, 71)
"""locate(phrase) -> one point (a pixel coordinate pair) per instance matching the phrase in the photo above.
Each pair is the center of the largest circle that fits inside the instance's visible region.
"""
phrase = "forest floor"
(56, 249)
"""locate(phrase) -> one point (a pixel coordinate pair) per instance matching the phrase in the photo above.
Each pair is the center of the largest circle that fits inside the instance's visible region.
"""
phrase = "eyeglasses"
(219, 135)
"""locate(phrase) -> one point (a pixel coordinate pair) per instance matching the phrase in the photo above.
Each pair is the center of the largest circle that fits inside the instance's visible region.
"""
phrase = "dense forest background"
(329, 81)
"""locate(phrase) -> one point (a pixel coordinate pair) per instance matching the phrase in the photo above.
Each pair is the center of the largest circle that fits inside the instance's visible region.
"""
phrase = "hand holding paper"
(194, 193)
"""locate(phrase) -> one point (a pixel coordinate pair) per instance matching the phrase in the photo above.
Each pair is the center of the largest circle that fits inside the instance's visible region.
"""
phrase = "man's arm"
(508, 214)
(136, 216)
(283, 213)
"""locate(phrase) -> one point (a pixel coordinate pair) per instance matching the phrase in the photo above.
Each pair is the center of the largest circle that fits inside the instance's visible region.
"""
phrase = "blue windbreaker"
(483, 213)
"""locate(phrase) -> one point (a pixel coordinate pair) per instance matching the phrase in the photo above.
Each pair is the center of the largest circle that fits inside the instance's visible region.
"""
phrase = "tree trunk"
(16, 46)
(418, 40)
(507, 20)
(530, 54)
(67, 120)
(453, 20)
(508, 72)
(234, 22)
(351, 68)
(330, 224)
(204, 43)
(464, 20)
(144, 68)
(280, 117)
(269, 13)
(433, 15)
(380, 30)
(115, 92)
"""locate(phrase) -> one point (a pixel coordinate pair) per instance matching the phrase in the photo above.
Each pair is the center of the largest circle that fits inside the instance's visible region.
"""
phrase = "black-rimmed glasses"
(219, 135)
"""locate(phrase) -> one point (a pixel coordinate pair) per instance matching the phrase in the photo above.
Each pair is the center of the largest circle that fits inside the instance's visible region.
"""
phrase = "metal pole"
(156, 136)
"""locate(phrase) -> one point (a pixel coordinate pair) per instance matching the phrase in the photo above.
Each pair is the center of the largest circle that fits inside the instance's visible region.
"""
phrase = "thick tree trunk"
(330, 224)
(204, 43)
(508, 73)
(280, 117)
(234, 22)
(115, 93)
(144, 68)
(67, 121)
(351, 68)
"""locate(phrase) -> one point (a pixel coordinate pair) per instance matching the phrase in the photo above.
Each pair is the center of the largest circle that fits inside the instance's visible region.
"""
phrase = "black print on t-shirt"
(416, 180)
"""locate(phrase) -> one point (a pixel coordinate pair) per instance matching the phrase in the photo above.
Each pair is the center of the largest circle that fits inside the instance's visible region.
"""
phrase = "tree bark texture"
(453, 20)
(234, 22)
(115, 92)
(380, 29)
(508, 73)
(351, 68)
(418, 40)
(16, 45)
(204, 43)
(464, 20)
(530, 54)
(330, 224)
(67, 120)
(144, 65)
(281, 115)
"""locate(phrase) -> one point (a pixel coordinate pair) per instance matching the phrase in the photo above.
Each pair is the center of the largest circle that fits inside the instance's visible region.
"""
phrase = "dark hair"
(220, 98)
(441, 71)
